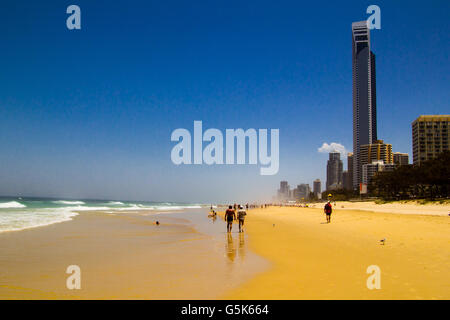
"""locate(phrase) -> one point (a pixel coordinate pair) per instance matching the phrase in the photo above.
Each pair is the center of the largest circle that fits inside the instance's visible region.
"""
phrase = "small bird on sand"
(383, 241)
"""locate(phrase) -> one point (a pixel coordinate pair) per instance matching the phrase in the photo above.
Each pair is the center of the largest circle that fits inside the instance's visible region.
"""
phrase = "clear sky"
(89, 113)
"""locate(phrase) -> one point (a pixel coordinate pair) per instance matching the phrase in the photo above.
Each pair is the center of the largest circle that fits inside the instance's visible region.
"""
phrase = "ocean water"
(23, 213)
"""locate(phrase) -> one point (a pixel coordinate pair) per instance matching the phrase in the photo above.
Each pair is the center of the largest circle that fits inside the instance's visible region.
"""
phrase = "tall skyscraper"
(334, 171)
(364, 95)
(430, 135)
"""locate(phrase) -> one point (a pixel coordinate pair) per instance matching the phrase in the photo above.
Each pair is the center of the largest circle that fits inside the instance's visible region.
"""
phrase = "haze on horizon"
(88, 114)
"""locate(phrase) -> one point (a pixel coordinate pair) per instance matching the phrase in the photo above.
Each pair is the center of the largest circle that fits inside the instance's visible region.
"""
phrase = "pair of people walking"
(230, 216)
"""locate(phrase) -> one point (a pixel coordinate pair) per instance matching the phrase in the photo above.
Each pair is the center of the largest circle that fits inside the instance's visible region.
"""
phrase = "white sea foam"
(11, 204)
(68, 202)
(17, 216)
(116, 203)
(14, 221)
(134, 207)
(192, 207)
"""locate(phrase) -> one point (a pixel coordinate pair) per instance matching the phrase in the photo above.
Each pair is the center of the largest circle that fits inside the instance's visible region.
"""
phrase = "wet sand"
(314, 260)
(126, 256)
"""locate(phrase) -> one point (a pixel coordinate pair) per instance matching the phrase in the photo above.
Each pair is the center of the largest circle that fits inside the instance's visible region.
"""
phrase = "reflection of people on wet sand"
(231, 251)
(230, 215)
(241, 246)
(241, 217)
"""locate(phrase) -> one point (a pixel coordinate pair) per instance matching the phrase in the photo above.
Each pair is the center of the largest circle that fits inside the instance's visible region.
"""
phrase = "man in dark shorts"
(328, 209)
(241, 217)
(230, 215)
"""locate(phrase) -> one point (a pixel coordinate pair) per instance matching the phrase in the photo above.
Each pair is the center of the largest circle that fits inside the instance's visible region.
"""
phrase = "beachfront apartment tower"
(430, 135)
(370, 169)
(334, 171)
(379, 150)
(400, 158)
(364, 95)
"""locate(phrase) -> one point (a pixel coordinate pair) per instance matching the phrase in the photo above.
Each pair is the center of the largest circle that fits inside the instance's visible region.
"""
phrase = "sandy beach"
(285, 253)
(314, 260)
(406, 207)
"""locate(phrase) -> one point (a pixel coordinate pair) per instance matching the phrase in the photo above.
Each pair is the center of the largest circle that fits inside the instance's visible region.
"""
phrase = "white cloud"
(333, 147)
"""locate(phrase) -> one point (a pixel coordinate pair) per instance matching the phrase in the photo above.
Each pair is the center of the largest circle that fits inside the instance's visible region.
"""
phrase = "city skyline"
(88, 113)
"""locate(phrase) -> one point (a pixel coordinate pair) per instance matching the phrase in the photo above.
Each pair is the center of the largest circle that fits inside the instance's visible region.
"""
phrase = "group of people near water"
(232, 215)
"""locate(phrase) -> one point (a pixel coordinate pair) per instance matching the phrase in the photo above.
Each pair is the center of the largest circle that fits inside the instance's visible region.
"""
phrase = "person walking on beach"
(230, 215)
(328, 209)
(241, 217)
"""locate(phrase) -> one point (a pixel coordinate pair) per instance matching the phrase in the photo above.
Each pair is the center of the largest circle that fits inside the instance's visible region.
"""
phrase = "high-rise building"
(349, 182)
(364, 94)
(400, 158)
(334, 171)
(345, 180)
(370, 169)
(317, 187)
(284, 191)
(379, 150)
(430, 135)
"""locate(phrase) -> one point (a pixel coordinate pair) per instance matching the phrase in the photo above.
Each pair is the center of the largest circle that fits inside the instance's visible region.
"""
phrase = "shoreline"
(126, 256)
(284, 253)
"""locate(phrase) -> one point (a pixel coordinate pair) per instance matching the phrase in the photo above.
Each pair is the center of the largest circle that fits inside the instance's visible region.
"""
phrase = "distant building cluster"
(301, 192)
(370, 156)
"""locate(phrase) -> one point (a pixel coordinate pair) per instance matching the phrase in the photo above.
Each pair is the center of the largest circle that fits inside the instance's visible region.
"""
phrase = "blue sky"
(89, 113)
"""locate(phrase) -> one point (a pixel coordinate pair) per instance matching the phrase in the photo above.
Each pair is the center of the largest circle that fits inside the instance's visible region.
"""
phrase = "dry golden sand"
(314, 260)
(405, 207)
